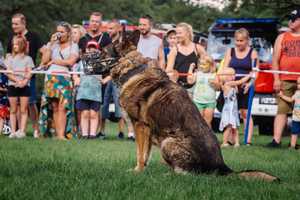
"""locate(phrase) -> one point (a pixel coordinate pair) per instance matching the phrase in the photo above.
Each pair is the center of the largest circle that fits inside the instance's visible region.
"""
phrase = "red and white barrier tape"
(67, 73)
(276, 71)
(61, 73)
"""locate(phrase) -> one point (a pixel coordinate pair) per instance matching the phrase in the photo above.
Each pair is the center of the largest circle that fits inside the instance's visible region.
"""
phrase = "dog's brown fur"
(164, 115)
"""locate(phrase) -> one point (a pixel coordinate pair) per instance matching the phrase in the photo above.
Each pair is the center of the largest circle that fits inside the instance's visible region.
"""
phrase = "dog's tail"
(256, 174)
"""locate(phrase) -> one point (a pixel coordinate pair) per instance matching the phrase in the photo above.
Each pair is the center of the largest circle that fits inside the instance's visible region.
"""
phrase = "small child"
(204, 94)
(18, 85)
(171, 40)
(230, 115)
(296, 114)
(88, 99)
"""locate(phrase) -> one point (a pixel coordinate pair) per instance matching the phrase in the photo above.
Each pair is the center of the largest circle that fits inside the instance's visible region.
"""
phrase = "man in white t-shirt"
(149, 44)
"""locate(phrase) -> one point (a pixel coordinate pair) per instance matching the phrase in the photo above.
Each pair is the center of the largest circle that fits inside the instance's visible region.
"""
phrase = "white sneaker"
(236, 145)
(225, 145)
(131, 134)
(36, 134)
(13, 135)
(21, 134)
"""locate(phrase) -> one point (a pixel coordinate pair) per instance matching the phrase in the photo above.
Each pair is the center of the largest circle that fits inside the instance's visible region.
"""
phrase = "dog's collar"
(124, 78)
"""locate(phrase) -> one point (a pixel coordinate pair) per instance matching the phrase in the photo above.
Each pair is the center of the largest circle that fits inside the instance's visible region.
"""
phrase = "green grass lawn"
(81, 169)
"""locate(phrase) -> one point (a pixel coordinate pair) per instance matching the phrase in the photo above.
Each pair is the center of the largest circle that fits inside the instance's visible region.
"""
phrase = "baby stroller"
(6, 128)
(4, 104)
(4, 114)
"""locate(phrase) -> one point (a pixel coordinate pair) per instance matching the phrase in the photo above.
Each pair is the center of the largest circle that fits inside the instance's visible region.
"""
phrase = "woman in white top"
(59, 55)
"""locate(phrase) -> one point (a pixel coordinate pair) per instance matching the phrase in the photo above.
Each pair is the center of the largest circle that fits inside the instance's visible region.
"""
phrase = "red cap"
(92, 43)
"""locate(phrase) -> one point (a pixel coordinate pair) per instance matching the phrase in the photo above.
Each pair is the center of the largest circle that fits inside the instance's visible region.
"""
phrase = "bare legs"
(230, 131)
(33, 114)
(279, 124)
(23, 114)
(89, 122)
(60, 119)
(208, 115)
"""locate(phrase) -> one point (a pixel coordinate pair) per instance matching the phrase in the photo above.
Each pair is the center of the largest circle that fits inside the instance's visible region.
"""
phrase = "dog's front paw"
(130, 170)
(138, 168)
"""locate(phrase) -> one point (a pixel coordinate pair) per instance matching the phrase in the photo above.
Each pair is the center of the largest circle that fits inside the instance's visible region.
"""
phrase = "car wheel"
(265, 125)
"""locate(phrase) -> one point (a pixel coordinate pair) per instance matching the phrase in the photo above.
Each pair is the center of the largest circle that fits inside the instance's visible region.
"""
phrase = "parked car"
(263, 32)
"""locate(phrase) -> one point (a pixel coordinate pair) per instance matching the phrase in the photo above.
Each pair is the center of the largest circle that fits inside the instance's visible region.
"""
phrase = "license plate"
(266, 100)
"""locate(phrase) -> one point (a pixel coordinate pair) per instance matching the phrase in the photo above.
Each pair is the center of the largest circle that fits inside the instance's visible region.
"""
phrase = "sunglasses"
(293, 18)
(64, 24)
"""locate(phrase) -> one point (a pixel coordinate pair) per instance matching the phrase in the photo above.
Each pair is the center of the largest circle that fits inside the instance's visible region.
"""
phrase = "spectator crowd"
(78, 105)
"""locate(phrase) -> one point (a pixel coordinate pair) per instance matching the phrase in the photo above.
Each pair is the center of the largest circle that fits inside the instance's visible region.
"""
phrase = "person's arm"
(29, 67)
(3, 89)
(286, 98)
(227, 58)
(27, 76)
(161, 56)
(275, 61)
(46, 51)
(171, 59)
(239, 82)
(191, 78)
(216, 83)
(201, 51)
(243, 80)
(46, 56)
(10, 75)
(105, 80)
(65, 62)
(71, 60)
(254, 56)
(225, 88)
(24, 82)
(170, 65)
(77, 68)
(76, 79)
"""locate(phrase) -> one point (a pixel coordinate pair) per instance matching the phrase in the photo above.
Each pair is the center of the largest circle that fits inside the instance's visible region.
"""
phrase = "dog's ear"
(129, 42)
(135, 37)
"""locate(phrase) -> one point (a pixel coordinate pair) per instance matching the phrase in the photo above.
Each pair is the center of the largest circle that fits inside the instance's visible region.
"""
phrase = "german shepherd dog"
(163, 114)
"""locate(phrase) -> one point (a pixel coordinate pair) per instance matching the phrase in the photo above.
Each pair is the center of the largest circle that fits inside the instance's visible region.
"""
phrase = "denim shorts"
(295, 128)
(84, 104)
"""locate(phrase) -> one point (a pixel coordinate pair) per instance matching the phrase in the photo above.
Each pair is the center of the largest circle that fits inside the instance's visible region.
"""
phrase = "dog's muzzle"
(95, 64)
